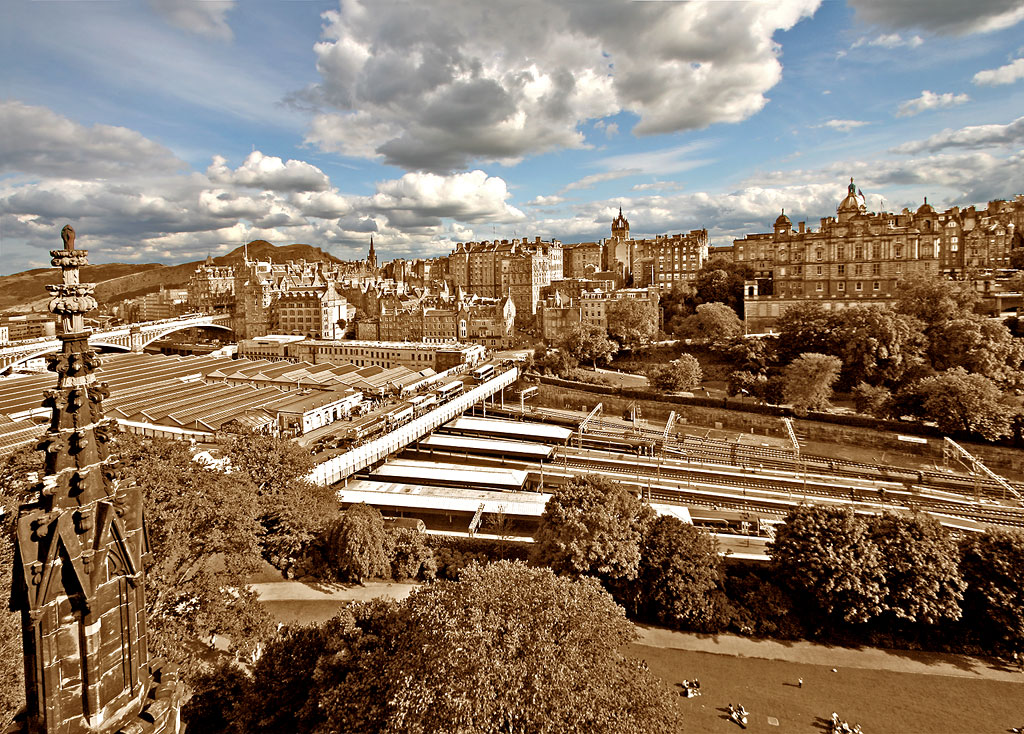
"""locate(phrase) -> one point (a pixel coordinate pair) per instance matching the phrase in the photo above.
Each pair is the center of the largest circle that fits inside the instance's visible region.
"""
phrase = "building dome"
(783, 220)
(850, 203)
(925, 208)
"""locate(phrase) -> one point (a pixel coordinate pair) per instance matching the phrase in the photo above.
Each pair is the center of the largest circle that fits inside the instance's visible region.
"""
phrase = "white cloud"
(930, 101)
(131, 200)
(843, 126)
(588, 182)
(971, 137)
(553, 200)
(950, 17)
(205, 17)
(471, 197)
(888, 40)
(269, 172)
(434, 87)
(38, 141)
(1003, 75)
(659, 162)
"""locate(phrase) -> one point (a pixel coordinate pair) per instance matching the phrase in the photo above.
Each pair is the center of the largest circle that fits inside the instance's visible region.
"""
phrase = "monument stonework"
(80, 548)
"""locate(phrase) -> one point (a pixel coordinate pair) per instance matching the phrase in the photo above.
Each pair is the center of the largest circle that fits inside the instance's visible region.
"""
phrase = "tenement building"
(859, 257)
(519, 269)
(557, 316)
(662, 261)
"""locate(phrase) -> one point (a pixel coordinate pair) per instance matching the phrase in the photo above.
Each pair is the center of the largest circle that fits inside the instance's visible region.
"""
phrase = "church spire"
(79, 553)
(371, 257)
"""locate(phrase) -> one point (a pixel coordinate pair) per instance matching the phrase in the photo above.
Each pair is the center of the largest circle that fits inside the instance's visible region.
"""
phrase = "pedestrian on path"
(799, 682)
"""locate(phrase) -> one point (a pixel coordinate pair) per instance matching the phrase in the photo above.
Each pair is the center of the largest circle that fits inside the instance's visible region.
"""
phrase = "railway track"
(793, 489)
(724, 452)
(762, 492)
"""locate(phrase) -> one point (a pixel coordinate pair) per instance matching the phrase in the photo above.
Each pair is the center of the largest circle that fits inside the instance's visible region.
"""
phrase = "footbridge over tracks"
(130, 337)
(341, 467)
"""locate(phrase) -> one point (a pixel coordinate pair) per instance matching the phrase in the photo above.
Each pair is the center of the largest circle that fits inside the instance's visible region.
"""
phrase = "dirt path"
(866, 658)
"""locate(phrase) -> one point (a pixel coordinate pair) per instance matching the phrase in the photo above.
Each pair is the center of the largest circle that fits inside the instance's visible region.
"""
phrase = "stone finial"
(68, 235)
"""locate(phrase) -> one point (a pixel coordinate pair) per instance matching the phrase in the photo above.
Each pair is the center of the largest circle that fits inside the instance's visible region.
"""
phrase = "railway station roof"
(428, 472)
(448, 442)
(536, 431)
(414, 496)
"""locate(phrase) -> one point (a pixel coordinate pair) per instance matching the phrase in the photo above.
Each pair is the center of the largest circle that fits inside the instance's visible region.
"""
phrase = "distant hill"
(26, 291)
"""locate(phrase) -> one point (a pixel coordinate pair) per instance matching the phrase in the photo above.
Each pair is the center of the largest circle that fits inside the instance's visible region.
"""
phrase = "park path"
(317, 591)
(869, 658)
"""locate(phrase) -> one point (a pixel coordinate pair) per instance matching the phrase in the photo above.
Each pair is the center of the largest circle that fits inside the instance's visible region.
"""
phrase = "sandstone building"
(663, 261)
(519, 269)
(859, 257)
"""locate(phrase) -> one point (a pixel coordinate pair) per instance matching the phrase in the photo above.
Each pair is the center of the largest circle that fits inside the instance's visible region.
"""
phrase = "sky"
(166, 130)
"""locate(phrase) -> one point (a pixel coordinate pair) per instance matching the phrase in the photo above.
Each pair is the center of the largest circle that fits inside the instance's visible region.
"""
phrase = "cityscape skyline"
(175, 129)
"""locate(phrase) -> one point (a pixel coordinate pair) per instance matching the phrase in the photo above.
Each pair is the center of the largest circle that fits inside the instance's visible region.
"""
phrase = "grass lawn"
(882, 702)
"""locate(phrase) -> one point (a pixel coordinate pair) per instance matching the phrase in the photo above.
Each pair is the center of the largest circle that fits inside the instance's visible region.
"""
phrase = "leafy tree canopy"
(827, 557)
(806, 327)
(356, 544)
(959, 401)
(683, 373)
(877, 345)
(993, 567)
(18, 473)
(507, 648)
(203, 533)
(922, 574)
(711, 322)
(293, 512)
(679, 569)
(979, 345)
(589, 343)
(808, 381)
(594, 526)
(632, 321)
(934, 301)
(721, 281)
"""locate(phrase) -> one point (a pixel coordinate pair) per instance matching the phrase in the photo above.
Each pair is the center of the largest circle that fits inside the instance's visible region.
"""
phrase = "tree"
(18, 473)
(922, 576)
(721, 281)
(877, 345)
(754, 354)
(411, 557)
(591, 525)
(675, 306)
(356, 544)
(809, 379)
(679, 374)
(589, 343)
(202, 527)
(958, 401)
(934, 301)
(979, 345)
(679, 569)
(293, 511)
(827, 557)
(992, 564)
(711, 322)
(633, 322)
(872, 400)
(806, 327)
(505, 648)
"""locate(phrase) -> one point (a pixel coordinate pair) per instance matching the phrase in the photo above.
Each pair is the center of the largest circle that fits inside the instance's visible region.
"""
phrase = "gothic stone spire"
(78, 576)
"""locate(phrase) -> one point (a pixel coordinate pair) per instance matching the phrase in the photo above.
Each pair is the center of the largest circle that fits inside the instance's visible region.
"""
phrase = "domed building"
(851, 206)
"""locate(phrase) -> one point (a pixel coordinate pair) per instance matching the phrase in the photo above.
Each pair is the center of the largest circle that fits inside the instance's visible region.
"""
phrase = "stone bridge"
(130, 337)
